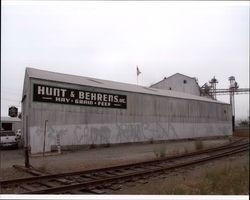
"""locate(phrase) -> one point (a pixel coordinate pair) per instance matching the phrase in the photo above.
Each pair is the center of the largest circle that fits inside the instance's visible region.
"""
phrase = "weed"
(186, 150)
(179, 190)
(223, 181)
(174, 152)
(43, 167)
(199, 145)
(107, 145)
(92, 146)
(161, 152)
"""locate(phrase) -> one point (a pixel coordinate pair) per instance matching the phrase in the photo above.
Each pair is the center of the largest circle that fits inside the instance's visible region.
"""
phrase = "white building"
(179, 82)
(10, 123)
(78, 110)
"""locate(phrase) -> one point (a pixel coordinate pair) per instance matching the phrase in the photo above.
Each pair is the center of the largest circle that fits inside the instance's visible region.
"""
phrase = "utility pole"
(232, 88)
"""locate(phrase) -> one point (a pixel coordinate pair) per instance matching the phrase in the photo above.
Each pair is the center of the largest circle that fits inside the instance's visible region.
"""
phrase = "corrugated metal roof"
(10, 119)
(176, 74)
(93, 82)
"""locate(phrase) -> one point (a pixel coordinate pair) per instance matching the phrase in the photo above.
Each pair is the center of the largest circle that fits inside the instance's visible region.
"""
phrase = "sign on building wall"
(13, 111)
(50, 94)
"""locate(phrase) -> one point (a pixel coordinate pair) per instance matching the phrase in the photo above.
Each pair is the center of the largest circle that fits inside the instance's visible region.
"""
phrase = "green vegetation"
(92, 146)
(224, 181)
(199, 145)
(245, 123)
(186, 150)
(242, 133)
(151, 141)
(107, 145)
(160, 152)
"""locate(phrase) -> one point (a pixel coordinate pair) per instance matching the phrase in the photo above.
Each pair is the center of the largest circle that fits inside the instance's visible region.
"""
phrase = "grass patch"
(241, 133)
(92, 146)
(174, 152)
(199, 145)
(43, 166)
(186, 150)
(151, 141)
(107, 145)
(225, 181)
(160, 152)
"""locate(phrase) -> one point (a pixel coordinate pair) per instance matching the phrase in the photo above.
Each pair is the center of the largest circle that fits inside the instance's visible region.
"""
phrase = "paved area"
(97, 157)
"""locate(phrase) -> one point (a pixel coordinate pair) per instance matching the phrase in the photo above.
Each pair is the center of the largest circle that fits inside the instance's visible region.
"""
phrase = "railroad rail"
(98, 181)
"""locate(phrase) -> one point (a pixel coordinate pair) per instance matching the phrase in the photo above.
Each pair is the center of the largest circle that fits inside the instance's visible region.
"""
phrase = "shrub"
(151, 141)
(107, 145)
(186, 150)
(92, 146)
(161, 152)
(199, 145)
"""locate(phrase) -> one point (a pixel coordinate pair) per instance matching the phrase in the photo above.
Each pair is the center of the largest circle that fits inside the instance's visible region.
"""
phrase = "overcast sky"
(108, 39)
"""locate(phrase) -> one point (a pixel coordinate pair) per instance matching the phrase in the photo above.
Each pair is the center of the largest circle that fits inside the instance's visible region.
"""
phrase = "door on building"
(6, 126)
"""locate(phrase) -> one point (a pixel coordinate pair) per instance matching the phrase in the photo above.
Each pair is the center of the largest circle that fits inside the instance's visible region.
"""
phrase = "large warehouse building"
(75, 110)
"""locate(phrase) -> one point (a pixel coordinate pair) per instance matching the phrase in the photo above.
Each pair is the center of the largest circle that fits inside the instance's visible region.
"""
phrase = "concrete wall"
(176, 83)
(147, 117)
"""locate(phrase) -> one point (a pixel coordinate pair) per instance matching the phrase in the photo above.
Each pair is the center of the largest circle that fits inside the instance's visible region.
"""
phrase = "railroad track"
(98, 181)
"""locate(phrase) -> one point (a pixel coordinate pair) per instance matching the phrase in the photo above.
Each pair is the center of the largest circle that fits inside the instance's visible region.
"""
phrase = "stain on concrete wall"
(120, 133)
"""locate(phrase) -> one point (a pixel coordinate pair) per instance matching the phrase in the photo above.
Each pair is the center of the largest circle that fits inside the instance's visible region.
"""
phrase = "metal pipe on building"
(44, 136)
(26, 148)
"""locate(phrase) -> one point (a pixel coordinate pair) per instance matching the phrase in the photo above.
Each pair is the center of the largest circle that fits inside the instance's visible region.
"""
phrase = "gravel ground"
(95, 158)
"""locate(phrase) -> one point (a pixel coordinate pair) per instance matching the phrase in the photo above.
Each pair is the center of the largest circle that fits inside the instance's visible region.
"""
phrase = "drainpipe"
(44, 136)
(26, 148)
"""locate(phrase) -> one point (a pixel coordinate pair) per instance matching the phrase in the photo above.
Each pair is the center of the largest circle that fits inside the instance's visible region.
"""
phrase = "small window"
(185, 81)
(225, 111)
(170, 88)
(7, 126)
